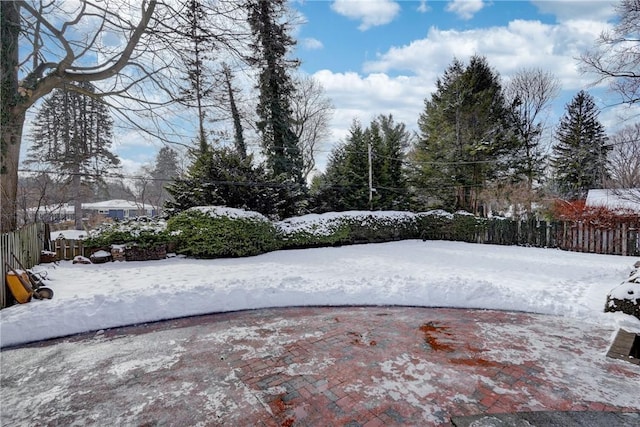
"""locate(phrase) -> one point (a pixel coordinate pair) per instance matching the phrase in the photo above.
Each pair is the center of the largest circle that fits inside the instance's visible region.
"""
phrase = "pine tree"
(72, 135)
(580, 155)
(279, 141)
(345, 184)
(199, 41)
(466, 137)
(238, 132)
(165, 169)
(222, 177)
(389, 142)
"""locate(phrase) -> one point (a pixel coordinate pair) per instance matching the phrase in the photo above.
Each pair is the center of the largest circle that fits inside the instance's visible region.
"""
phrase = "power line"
(265, 184)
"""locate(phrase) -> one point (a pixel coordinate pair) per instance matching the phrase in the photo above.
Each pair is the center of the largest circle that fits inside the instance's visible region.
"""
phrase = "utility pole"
(370, 178)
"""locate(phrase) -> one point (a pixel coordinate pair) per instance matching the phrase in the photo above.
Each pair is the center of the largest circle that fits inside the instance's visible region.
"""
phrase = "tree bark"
(15, 99)
(13, 116)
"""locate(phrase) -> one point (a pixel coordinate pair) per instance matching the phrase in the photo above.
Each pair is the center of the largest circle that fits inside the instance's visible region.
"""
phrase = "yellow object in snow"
(19, 285)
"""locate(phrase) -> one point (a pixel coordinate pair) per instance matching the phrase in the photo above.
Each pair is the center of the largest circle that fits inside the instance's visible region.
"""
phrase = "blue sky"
(383, 56)
(348, 39)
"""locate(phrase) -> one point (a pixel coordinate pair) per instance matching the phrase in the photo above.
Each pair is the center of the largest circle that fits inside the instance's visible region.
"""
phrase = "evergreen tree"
(222, 177)
(466, 137)
(580, 155)
(199, 41)
(238, 132)
(389, 141)
(279, 141)
(434, 171)
(72, 135)
(165, 169)
(345, 184)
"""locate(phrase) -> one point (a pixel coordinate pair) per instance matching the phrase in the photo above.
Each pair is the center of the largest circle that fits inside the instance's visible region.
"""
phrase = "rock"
(625, 298)
(81, 260)
(100, 257)
(118, 252)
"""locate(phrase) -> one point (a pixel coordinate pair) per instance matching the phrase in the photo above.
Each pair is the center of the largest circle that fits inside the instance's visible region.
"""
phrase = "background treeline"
(482, 144)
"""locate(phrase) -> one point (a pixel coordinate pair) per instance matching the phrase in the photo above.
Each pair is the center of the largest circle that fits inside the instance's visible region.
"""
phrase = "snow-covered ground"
(417, 273)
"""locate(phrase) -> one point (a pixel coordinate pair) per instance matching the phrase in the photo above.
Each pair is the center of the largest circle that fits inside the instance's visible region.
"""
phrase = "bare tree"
(624, 162)
(530, 93)
(615, 58)
(130, 49)
(41, 195)
(312, 112)
(58, 51)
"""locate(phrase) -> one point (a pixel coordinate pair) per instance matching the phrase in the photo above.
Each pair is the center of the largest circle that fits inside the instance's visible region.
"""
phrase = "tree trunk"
(12, 116)
(11, 137)
(77, 201)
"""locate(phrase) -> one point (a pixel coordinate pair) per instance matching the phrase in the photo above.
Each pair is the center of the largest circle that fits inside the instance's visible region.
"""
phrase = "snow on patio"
(416, 273)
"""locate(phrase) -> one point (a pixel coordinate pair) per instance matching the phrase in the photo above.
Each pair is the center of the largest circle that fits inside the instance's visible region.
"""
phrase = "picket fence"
(619, 237)
(25, 244)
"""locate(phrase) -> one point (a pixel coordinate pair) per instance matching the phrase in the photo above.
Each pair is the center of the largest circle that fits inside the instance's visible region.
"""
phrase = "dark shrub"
(214, 232)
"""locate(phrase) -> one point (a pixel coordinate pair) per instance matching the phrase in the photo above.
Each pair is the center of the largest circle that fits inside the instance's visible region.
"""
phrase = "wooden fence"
(620, 237)
(26, 244)
(67, 249)
(615, 238)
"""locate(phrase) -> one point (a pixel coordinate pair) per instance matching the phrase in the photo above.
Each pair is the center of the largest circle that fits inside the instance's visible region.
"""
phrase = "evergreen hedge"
(222, 232)
(213, 232)
(142, 232)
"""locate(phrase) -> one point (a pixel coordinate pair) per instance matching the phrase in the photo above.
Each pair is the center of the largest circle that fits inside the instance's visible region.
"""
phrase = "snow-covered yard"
(417, 273)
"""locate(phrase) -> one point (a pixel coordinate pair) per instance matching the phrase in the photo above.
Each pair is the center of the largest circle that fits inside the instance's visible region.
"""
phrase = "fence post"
(26, 245)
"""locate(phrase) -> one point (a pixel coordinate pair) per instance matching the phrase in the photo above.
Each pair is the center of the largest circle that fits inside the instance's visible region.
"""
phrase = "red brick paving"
(355, 366)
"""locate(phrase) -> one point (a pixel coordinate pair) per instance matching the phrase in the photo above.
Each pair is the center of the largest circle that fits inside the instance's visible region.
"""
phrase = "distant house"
(119, 209)
(627, 199)
(116, 209)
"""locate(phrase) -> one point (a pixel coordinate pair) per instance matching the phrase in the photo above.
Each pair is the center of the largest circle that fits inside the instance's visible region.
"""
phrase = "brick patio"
(349, 366)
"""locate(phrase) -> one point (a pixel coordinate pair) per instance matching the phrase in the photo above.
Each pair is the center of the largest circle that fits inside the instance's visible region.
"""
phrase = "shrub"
(214, 232)
(374, 227)
(331, 229)
(313, 230)
(465, 227)
(434, 225)
(144, 233)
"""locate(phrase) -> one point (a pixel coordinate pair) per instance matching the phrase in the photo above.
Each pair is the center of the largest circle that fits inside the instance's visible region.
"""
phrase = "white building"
(116, 209)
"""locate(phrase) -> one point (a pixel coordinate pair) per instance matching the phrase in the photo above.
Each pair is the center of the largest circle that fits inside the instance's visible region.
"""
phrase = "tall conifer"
(580, 155)
(72, 135)
(279, 142)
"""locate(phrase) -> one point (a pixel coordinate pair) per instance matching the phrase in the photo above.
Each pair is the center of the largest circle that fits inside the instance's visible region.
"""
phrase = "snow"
(615, 199)
(432, 274)
(630, 289)
(217, 211)
(68, 234)
(325, 224)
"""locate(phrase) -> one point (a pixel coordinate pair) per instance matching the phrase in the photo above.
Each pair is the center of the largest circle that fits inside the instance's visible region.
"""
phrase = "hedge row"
(213, 232)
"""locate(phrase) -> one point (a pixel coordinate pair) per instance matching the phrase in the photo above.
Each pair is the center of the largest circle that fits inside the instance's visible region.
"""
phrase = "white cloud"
(311, 44)
(577, 9)
(521, 44)
(465, 9)
(371, 13)
(423, 8)
(364, 97)
(398, 80)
